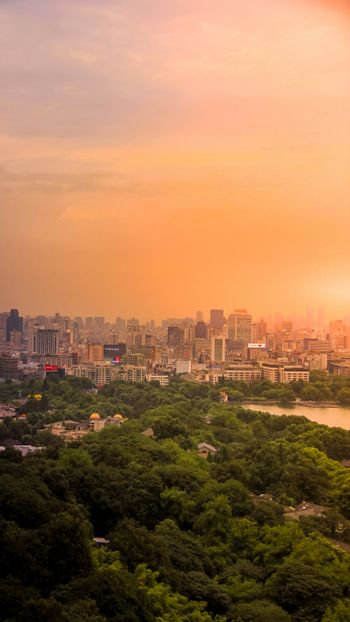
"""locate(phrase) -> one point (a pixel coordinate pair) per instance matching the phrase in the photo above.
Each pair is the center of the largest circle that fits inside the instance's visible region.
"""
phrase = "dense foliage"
(188, 538)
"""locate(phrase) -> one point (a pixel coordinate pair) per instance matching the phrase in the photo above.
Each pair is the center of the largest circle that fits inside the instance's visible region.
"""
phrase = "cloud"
(59, 183)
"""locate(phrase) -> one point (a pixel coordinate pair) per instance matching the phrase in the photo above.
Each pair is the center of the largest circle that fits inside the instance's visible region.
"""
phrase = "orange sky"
(159, 158)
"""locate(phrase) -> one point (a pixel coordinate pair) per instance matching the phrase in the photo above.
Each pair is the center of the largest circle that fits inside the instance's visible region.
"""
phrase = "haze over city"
(175, 310)
(159, 158)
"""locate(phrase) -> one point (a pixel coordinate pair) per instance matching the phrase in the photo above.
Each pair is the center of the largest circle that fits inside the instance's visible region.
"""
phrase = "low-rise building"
(162, 379)
(205, 449)
(99, 373)
(315, 361)
(284, 373)
(25, 450)
(132, 373)
(236, 373)
(183, 367)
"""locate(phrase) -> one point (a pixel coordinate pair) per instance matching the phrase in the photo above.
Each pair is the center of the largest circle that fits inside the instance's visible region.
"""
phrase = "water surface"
(334, 417)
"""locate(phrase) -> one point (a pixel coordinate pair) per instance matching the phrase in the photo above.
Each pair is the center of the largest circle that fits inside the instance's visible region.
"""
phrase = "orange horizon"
(161, 158)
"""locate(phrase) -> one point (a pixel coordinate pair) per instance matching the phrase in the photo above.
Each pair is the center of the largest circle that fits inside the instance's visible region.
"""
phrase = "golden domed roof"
(119, 417)
(94, 417)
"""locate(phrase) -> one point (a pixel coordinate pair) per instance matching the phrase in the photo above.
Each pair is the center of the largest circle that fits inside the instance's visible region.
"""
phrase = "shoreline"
(293, 405)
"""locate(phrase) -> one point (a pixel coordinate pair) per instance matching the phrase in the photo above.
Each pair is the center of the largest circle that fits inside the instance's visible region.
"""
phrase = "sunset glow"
(163, 157)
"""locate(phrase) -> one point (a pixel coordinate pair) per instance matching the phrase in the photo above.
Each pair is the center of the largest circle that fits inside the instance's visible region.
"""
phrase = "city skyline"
(311, 317)
(159, 157)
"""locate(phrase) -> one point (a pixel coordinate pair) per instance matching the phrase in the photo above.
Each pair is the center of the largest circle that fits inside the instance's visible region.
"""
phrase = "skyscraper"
(45, 341)
(217, 319)
(99, 324)
(240, 326)
(89, 323)
(175, 336)
(201, 330)
(218, 344)
(120, 326)
(13, 323)
(337, 334)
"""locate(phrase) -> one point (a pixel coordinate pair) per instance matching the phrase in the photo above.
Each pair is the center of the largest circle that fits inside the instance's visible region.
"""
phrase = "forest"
(123, 526)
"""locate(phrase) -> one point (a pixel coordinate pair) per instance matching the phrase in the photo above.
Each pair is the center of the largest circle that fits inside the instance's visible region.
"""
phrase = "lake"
(334, 417)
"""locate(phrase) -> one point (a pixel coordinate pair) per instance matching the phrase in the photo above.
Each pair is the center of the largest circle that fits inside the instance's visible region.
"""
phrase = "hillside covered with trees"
(120, 526)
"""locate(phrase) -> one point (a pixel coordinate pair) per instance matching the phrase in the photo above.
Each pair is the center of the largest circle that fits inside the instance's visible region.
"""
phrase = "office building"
(9, 368)
(163, 379)
(45, 341)
(201, 331)
(175, 336)
(237, 373)
(284, 373)
(183, 366)
(337, 334)
(89, 323)
(99, 373)
(95, 352)
(136, 359)
(315, 361)
(259, 331)
(130, 373)
(316, 345)
(239, 326)
(99, 324)
(218, 344)
(120, 326)
(13, 323)
(16, 339)
(76, 333)
(217, 319)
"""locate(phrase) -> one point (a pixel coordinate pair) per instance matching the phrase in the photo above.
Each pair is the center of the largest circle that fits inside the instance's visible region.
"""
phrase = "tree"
(303, 591)
(259, 611)
(215, 520)
(339, 613)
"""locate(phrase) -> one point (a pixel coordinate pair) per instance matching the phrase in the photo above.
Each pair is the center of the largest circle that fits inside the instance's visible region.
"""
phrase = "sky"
(157, 158)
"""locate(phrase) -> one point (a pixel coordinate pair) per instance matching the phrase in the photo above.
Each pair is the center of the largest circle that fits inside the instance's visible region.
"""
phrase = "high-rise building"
(175, 336)
(218, 344)
(201, 331)
(9, 368)
(259, 331)
(16, 338)
(89, 323)
(217, 319)
(133, 321)
(199, 316)
(3, 321)
(240, 326)
(45, 341)
(76, 332)
(150, 340)
(337, 334)
(79, 320)
(202, 350)
(95, 352)
(120, 326)
(99, 324)
(13, 323)
(321, 318)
